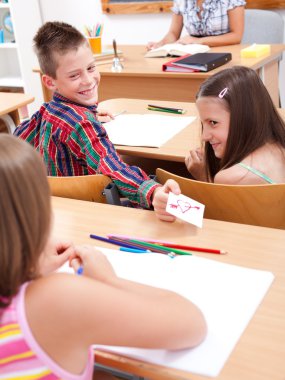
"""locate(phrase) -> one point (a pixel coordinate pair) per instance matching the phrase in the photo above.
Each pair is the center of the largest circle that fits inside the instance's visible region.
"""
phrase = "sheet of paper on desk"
(145, 129)
(228, 295)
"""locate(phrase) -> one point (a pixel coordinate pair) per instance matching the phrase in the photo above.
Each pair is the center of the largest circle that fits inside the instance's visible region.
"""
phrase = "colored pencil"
(165, 108)
(172, 245)
(152, 247)
(130, 245)
(111, 241)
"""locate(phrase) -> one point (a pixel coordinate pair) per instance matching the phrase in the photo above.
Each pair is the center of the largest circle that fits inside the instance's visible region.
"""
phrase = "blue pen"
(133, 250)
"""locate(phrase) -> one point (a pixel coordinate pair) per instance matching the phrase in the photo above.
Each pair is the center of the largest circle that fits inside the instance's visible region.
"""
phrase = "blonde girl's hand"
(104, 116)
(195, 164)
(160, 199)
(55, 254)
(94, 263)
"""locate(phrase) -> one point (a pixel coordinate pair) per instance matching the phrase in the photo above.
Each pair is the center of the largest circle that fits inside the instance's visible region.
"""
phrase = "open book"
(176, 50)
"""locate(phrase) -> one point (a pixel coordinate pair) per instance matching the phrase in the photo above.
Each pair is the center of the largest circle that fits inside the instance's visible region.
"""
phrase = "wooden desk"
(10, 104)
(260, 352)
(173, 150)
(143, 78)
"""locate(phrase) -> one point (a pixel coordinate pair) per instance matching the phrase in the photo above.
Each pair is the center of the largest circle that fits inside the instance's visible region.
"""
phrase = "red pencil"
(197, 249)
(173, 245)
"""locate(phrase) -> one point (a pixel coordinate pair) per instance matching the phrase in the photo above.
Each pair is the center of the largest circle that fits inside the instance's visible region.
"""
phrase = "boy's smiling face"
(77, 77)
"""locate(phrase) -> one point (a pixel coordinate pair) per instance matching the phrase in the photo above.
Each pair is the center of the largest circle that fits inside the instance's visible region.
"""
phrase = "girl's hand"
(195, 164)
(160, 198)
(189, 40)
(94, 263)
(104, 116)
(55, 254)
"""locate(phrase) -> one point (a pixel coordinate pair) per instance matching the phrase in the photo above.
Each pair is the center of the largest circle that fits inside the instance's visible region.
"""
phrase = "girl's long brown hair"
(254, 120)
(25, 214)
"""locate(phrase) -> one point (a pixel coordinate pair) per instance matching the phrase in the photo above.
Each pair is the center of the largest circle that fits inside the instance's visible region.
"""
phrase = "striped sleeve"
(101, 157)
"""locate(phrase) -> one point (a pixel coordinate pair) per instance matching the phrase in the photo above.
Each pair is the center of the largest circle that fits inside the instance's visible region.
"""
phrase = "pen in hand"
(119, 113)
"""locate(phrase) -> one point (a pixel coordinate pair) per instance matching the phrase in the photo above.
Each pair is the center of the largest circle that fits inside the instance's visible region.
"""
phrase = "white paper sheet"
(145, 129)
(228, 296)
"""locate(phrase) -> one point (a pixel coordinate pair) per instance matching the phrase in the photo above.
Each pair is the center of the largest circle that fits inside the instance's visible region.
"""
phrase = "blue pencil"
(106, 240)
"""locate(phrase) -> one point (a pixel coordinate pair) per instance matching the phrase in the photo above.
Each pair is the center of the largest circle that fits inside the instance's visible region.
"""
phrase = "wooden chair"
(87, 188)
(260, 205)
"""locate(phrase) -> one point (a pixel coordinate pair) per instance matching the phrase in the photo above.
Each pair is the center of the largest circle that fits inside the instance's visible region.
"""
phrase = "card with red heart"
(186, 209)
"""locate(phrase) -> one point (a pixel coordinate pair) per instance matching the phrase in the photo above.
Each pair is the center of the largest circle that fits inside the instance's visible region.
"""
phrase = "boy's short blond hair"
(53, 39)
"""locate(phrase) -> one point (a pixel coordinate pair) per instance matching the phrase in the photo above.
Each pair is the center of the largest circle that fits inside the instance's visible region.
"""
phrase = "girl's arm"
(173, 34)
(236, 24)
(69, 313)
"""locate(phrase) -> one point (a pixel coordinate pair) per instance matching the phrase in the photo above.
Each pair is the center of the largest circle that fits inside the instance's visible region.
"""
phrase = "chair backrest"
(260, 205)
(86, 188)
(263, 27)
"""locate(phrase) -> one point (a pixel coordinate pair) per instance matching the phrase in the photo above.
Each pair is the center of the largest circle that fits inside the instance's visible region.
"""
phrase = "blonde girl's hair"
(25, 214)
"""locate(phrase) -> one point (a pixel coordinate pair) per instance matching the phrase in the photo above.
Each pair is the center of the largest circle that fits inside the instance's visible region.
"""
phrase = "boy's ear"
(49, 82)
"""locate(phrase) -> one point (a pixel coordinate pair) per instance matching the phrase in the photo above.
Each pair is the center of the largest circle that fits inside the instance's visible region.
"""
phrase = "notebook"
(203, 61)
(172, 67)
(176, 50)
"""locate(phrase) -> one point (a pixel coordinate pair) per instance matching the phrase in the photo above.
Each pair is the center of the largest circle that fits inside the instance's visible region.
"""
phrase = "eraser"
(255, 51)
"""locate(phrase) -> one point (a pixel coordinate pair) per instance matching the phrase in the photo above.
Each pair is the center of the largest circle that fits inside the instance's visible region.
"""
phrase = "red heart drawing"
(184, 206)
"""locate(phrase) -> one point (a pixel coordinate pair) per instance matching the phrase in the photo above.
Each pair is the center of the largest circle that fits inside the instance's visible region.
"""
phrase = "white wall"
(126, 29)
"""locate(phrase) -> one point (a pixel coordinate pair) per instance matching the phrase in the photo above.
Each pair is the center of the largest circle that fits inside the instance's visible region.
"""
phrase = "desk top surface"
(260, 352)
(12, 101)
(174, 149)
(135, 63)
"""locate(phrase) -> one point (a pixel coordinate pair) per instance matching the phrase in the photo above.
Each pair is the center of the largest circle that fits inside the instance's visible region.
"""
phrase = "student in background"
(208, 22)
(67, 131)
(243, 135)
(48, 321)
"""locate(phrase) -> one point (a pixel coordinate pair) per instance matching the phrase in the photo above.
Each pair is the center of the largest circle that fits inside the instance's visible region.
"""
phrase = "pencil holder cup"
(95, 44)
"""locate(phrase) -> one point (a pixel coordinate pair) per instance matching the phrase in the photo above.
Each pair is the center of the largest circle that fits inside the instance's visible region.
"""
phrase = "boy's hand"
(195, 164)
(55, 254)
(94, 263)
(104, 116)
(160, 198)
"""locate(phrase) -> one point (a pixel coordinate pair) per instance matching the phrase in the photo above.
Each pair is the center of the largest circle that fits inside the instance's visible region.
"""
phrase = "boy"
(67, 131)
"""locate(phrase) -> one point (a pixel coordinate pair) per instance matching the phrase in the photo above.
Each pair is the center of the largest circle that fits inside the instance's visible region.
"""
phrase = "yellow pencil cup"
(95, 44)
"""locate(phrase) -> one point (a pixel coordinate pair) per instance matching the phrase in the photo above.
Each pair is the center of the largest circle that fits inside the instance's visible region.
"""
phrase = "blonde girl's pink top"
(21, 358)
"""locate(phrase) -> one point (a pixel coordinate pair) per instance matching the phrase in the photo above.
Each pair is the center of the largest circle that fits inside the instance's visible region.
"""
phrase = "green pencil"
(154, 246)
(165, 110)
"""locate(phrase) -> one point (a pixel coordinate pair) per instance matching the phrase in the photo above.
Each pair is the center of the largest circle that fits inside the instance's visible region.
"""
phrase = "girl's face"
(215, 119)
